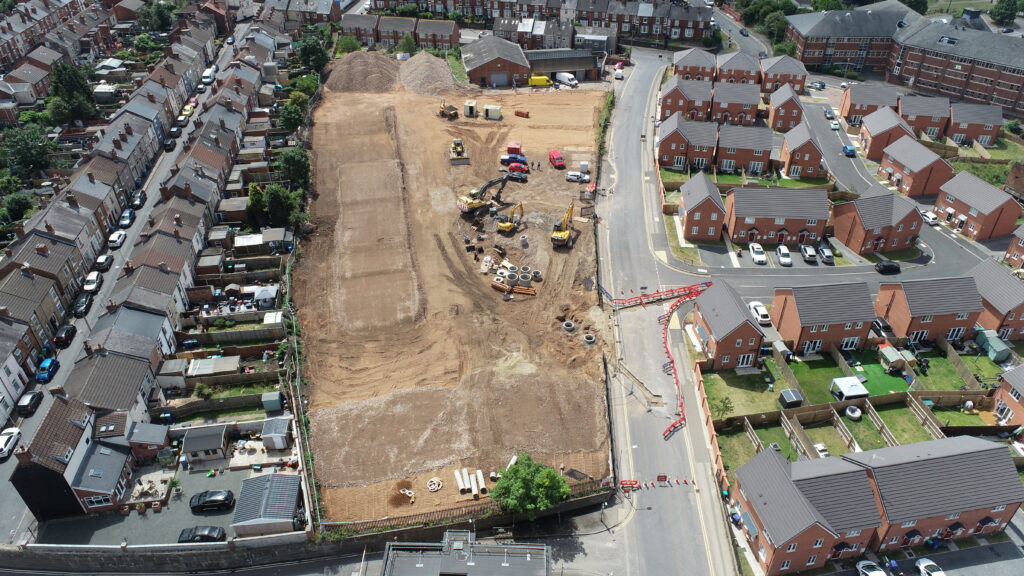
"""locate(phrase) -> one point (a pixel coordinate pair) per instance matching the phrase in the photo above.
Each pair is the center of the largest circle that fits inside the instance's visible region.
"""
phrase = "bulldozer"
(509, 223)
(458, 153)
(564, 234)
(477, 203)
(448, 111)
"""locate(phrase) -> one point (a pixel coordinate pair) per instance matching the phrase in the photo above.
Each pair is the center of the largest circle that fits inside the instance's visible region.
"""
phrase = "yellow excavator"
(477, 202)
(564, 235)
(510, 223)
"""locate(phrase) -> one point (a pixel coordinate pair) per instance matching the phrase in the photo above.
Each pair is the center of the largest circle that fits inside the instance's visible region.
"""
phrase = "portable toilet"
(492, 112)
(469, 109)
(585, 166)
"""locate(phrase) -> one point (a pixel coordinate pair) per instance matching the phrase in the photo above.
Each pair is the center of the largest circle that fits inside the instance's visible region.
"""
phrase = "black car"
(202, 534)
(139, 199)
(212, 500)
(104, 262)
(887, 267)
(65, 336)
(82, 304)
(29, 403)
(518, 176)
(174, 132)
(829, 113)
(744, 32)
(169, 144)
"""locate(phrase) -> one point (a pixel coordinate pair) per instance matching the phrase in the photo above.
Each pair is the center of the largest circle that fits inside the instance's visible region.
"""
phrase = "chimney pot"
(163, 267)
(128, 128)
(117, 144)
(23, 455)
(92, 177)
(5, 311)
(122, 136)
(73, 200)
(49, 228)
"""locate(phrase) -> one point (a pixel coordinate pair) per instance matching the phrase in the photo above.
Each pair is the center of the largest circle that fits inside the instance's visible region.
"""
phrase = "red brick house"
(878, 221)
(738, 68)
(809, 321)
(1009, 406)
(728, 333)
(1002, 299)
(38, 78)
(781, 70)
(926, 114)
(491, 61)
(860, 100)
(913, 168)
(801, 155)
(690, 98)
(362, 27)
(1015, 251)
(930, 309)
(776, 215)
(976, 208)
(784, 109)
(979, 123)
(695, 64)
(744, 148)
(686, 145)
(701, 209)
(437, 34)
(391, 30)
(880, 129)
(44, 58)
(735, 103)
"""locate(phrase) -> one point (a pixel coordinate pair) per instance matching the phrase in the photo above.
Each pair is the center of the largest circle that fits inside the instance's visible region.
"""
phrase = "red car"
(517, 167)
(556, 159)
(193, 102)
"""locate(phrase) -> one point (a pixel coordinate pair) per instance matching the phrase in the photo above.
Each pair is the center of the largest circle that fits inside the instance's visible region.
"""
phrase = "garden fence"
(962, 369)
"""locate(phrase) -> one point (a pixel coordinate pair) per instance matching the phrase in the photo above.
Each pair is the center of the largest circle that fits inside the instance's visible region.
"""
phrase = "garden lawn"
(954, 417)
(941, 373)
(878, 380)
(864, 433)
(776, 435)
(805, 183)
(994, 174)
(749, 394)
(737, 450)
(228, 391)
(824, 433)
(729, 179)
(815, 377)
(672, 179)
(1006, 150)
(902, 424)
(982, 366)
(689, 254)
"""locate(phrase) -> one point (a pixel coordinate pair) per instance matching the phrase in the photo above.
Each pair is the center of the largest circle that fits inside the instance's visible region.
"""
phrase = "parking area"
(716, 256)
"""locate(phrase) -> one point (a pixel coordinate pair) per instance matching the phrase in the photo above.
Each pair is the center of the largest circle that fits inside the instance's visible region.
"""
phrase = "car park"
(757, 254)
(29, 403)
(930, 218)
(82, 305)
(760, 313)
(9, 439)
(212, 500)
(556, 159)
(202, 534)
(117, 239)
(825, 254)
(869, 568)
(829, 113)
(127, 217)
(849, 151)
(808, 253)
(93, 281)
(47, 370)
(104, 262)
(926, 567)
(64, 336)
(783, 255)
(139, 199)
(887, 267)
(834, 125)
(577, 177)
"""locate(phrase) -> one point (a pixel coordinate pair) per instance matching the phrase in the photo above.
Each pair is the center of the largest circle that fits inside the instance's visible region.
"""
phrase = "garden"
(865, 433)
(941, 373)
(815, 377)
(825, 433)
(878, 381)
(731, 394)
(903, 424)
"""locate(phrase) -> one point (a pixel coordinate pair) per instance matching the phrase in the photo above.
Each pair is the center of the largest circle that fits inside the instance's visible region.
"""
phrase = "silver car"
(783, 255)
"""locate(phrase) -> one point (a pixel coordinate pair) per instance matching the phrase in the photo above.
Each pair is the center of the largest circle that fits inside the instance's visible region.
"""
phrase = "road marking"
(660, 255)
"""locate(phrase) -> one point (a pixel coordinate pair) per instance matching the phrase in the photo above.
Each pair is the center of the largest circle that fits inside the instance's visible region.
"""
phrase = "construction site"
(448, 297)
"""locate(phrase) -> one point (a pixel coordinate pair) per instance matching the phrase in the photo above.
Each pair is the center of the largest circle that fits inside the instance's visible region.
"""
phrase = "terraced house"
(691, 98)
(746, 148)
(929, 309)
(913, 168)
(878, 221)
(925, 114)
(686, 145)
(781, 70)
(976, 208)
(695, 64)
(735, 104)
(1002, 299)
(776, 215)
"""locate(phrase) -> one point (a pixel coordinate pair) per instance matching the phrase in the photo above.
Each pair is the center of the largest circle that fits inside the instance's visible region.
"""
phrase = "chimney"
(8, 252)
(92, 177)
(72, 200)
(150, 97)
(5, 311)
(176, 233)
(117, 141)
(49, 228)
(168, 51)
(188, 190)
(26, 270)
(165, 192)
(169, 67)
(111, 308)
(223, 125)
(19, 230)
(216, 140)
(238, 82)
(58, 391)
(177, 219)
(128, 267)
(43, 249)
(113, 153)
(122, 136)
(23, 455)
(163, 267)
(128, 128)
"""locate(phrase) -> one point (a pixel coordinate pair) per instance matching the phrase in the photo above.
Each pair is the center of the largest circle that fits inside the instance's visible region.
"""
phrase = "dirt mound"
(427, 74)
(364, 72)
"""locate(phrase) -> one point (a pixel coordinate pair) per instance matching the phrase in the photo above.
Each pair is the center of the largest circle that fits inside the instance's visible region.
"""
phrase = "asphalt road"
(753, 44)
(850, 173)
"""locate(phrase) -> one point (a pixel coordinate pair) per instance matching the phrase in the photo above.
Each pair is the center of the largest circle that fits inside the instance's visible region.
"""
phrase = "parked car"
(1007, 30)
(64, 336)
(170, 144)
(104, 262)
(818, 85)
(577, 177)
(127, 217)
(139, 199)
(116, 239)
(825, 254)
(887, 267)
(882, 328)
(757, 254)
(512, 159)
(760, 313)
(188, 110)
(744, 32)
(834, 125)
(201, 88)
(93, 282)
(202, 534)
(212, 500)
(869, 568)
(829, 113)
(517, 167)
(556, 159)
(9, 439)
(174, 132)
(808, 253)
(849, 151)
(47, 370)
(518, 176)
(783, 255)
(181, 121)
(930, 218)
(822, 450)
(619, 75)
(926, 567)
(82, 305)
(762, 55)
(230, 40)
(29, 403)
(193, 101)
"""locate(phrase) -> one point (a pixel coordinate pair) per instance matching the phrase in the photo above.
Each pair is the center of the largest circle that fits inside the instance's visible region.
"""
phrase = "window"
(811, 560)
(927, 318)
(812, 222)
(780, 221)
(853, 533)
(860, 325)
(694, 230)
(730, 150)
(785, 565)
(752, 341)
(961, 316)
(973, 211)
(899, 228)
(748, 220)
(909, 524)
(696, 215)
(792, 547)
(758, 152)
(824, 327)
(94, 501)
(894, 539)
(819, 542)
(949, 198)
(848, 325)
(714, 216)
(814, 328)
(913, 225)
(711, 230)
(739, 342)
(725, 359)
(953, 516)
(999, 508)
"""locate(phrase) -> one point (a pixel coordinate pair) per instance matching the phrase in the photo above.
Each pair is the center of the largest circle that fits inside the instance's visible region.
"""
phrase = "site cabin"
(847, 388)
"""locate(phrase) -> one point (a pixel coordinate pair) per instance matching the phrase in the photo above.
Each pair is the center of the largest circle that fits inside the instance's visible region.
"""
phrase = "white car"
(577, 177)
(760, 312)
(117, 239)
(93, 282)
(757, 254)
(782, 253)
(619, 75)
(930, 218)
(928, 568)
(9, 441)
(869, 568)
(834, 125)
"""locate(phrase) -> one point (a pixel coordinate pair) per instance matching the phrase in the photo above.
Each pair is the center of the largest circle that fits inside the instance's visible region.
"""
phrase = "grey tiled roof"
(1015, 378)
(879, 207)
(738, 61)
(731, 93)
(205, 438)
(884, 119)
(817, 304)
(872, 21)
(1019, 232)
(783, 65)
(937, 296)
(998, 285)
(692, 89)
(798, 203)
(395, 24)
(798, 136)
(435, 27)
(700, 188)
(915, 105)
(108, 381)
(941, 477)
(491, 48)
(975, 192)
(874, 94)
(785, 92)
(695, 57)
(723, 310)
(984, 114)
(266, 498)
(783, 510)
(747, 137)
(911, 153)
(819, 480)
(696, 133)
(1002, 49)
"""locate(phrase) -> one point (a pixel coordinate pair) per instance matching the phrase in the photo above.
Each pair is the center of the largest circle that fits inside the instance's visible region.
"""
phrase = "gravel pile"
(364, 72)
(427, 74)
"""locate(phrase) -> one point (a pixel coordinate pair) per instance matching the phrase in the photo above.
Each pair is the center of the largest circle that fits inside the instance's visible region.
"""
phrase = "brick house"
(701, 209)
(913, 168)
(860, 100)
(880, 129)
(1002, 299)
(437, 34)
(735, 103)
(800, 515)
(801, 155)
(784, 109)
(1009, 406)
(962, 486)
(738, 68)
(685, 145)
(809, 321)
(781, 70)
(776, 215)
(44, 58)
(690, 98)
(930, 309)
(926, 114)
(362, 27)
(976, 208)
(491, 61)
(728, 333)
(37, 78)
(878, 221)
(979, 123)
(695, 64)
(744, 148)
(1015, 251)
(391, 30)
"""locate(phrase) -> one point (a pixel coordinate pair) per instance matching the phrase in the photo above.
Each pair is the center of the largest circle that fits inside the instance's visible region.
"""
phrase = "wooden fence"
(924, 417)
(842, 430)
(200, 406)
(236, 336)
(752, 436)
(838, 357)
(875, 419)
(236, 379)
(787, 372)
(962, 369)
(800, 439)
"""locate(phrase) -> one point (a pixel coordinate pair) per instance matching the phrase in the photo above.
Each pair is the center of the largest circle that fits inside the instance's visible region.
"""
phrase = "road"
(753, 44)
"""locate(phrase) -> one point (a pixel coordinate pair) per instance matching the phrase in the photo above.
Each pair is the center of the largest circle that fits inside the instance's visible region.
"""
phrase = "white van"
(567, 79)
(208, 75)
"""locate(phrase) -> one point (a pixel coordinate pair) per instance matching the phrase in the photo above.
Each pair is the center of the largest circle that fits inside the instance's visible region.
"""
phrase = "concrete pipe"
(537, 276)
(569, 326)
(525, 270)
(512, 279)
(502, 273)
(513, 269)
(589, 339)
(499, 279)
(524, 280)
(524, 241)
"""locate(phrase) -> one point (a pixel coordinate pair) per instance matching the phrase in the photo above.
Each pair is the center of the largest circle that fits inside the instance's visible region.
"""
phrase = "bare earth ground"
(417, 367)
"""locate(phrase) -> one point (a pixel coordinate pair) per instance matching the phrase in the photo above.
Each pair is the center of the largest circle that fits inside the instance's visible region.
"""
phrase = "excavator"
(564, 235)
(477, 203)
(509, 223)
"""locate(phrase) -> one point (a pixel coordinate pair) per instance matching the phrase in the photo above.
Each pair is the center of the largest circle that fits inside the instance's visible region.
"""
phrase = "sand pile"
(427, 74)
(363, 72)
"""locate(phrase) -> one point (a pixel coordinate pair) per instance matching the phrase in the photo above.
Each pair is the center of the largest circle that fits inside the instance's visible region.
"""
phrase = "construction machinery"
(509, 223)
(477, 203)
(458, 152)
(448, 111)
(563, 234)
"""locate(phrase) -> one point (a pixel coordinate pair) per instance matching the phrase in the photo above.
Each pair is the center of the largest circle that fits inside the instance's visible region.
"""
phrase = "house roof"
(101, 466)
(998, 285)
(692, 89)
(798, 136)
(941, 477)
(1015, 378)
(22, 293)
(985, 114)
(11, 332)
(817, 304)
(491, 48)
(937, 296)
(396, 24)
(368, 21)
(733, 93)
(435, 27)
(146, 433)
(28, 73)
(57, 253)
(47, 55)
(738, 61)
(937, 36)
(745, 137)
(695, 57)
(874, 94)
(129, 331)
(111, 424)
(779, 504)
(108, 380)
(878, 208)
(698, 189)
(784, 93)
(723, 310)
(783, 65)
(819, 480)
(695, 133)
(914, 105)
(911, 153)
(267, 498)
(879, 20)
(204, 438)
(975, 192)
(60, 431)
(802, 203)
(884, 119)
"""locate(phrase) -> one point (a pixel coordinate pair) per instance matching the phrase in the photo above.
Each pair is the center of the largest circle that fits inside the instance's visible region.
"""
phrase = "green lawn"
(864, 433)
(815, 377)
(1006, 150)
(903, 424)
(982, 366)
(240, 415)
(735, 179)
(458, 69)
(878, 380)
(749, 394)
(688, 254)
(941, 374)
(737, 450)
(825, 433)
(776, 435)
(994, 174)
(954, 417)
(805, 183)
(672, 179)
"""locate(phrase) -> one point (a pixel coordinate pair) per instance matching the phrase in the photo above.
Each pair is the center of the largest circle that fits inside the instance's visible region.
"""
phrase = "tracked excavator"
(477, 203)
(563, 234)
(509, 223)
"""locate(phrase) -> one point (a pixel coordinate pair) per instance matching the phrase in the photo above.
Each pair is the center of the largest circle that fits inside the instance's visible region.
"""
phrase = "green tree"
(17, 205)
(528, 487)
(71, 84)
(774, 26)
(408, 10)
(722, 407)
(34, 117)
(144, 43)
(312, 53)
(299, 99)
(348, 44)
(9, 184)
(307, 84)
(58, 111)
(1004, 12)
(785, 48)
(919, 6)
(157, 16)
(824, 5)
(457, 17)
(256, 209)
(294, 164)
(406, 44)
(292, 117)
(281, 202)
(26, 149)
(1014, 127)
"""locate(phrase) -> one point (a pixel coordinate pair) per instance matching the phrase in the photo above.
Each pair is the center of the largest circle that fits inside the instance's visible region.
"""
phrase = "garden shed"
(267, 504)
(275, 434)
(993, 345)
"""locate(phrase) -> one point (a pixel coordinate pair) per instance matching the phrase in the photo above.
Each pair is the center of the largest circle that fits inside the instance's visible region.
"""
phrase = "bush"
(714, 40)
(1014, 127)
(203, 391)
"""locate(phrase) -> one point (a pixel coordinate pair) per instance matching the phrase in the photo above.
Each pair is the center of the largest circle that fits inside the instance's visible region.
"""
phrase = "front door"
(751, 235)
(802, 238)
(693, 114)
(918, 335)
(850, 343)
(812, 346)
(879, 244)
(960, 224)
(782, 237)
(955, 333)
(958, 138)
(745, 361)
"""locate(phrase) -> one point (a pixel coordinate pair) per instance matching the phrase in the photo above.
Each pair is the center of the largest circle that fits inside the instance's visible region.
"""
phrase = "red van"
(556, 159)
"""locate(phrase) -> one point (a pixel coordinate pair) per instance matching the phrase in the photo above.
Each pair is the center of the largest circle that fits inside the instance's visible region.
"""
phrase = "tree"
(1004, 12)
(256, 210)
(312, 53)
(71, 84)
(919, 6)
(528, 487)
(1014, 127)
(299, 99)
(157, 16)
(294, 163)
(406, 44)
(292, 117)
(457, 16)
(58, 111)
(774, 26)
(825, 5)
(348, 44)
(281, 202)
(307, 84)
(785, 48)
(8, 184)
(34, 117)
(722, 407)
(407, 10)
(26, 149)
(17, 205)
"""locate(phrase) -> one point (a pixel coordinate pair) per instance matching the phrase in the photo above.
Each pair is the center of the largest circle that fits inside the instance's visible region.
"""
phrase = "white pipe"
(465, 478)
(458, 480)
(472, 484)
(480, 481)
(512, 462)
